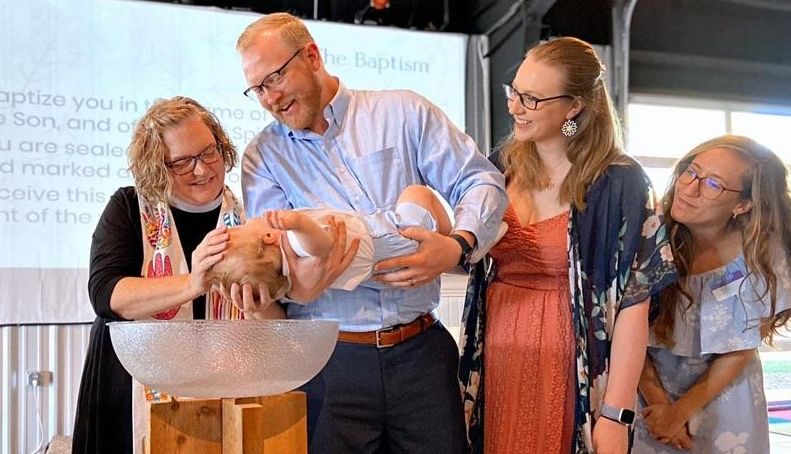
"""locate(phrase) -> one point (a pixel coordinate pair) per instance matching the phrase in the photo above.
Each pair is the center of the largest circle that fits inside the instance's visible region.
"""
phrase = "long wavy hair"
(764, 229)
(598, 142)
(146, 152)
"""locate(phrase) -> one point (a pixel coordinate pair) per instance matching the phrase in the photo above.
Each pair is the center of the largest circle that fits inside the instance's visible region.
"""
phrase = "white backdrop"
(74, 77)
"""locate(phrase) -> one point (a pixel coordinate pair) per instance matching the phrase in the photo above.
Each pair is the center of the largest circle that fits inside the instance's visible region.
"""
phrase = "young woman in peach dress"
(555, 325)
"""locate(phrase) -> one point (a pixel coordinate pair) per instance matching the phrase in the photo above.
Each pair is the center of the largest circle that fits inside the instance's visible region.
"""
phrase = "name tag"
(728, 286)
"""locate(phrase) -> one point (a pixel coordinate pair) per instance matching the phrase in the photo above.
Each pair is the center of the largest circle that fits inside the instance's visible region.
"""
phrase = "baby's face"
(259, 227)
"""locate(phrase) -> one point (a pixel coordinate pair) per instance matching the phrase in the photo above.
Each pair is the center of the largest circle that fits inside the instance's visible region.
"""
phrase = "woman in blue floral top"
(561, 304)
(730, 227)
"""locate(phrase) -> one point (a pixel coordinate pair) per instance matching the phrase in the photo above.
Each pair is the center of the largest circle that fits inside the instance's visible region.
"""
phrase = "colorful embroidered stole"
(163, 256)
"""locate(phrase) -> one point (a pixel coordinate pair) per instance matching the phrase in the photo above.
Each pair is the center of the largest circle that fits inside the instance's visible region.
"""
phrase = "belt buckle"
(379, 343)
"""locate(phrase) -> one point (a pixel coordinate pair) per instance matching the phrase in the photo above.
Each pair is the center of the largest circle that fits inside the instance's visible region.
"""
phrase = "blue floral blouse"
(724, 316)
(618, 256)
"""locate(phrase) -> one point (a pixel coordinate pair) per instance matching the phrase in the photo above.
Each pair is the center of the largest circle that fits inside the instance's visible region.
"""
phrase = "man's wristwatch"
(620, 415)
(466, 249)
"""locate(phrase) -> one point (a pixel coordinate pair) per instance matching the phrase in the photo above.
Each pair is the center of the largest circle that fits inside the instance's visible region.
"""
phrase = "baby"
(254, 254)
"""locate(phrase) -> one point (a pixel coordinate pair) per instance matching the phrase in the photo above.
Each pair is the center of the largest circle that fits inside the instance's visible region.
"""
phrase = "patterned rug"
(780, 417)
(777, 383)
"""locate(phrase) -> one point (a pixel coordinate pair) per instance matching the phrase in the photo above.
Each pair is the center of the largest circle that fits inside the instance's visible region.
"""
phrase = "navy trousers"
(401, 399)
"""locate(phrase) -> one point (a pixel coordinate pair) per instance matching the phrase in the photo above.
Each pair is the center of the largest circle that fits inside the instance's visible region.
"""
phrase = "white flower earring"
(569, 128)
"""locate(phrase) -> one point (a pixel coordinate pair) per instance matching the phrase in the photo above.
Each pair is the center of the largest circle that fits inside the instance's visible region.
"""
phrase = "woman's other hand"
(261, 307)
(663, 422)
(209, 252)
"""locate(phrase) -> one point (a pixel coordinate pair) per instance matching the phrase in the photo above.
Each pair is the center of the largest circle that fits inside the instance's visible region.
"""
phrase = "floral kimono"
(618, 256)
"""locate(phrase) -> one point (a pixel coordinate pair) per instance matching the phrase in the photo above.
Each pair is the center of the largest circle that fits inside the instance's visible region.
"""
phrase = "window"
(770, 130)
(670, 131)
(662, 129)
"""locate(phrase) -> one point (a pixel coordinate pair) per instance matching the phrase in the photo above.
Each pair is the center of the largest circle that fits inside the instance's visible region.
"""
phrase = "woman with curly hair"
(171, 225)
(729, 221)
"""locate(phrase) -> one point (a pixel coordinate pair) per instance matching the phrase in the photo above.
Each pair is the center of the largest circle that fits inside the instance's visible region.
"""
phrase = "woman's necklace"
(552, 174)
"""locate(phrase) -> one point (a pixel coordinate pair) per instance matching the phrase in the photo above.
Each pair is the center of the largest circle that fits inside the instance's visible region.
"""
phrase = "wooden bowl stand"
(251, 425)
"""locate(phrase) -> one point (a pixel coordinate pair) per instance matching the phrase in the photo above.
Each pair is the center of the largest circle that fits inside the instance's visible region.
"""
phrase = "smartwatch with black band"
(466, 249)
(620, 415)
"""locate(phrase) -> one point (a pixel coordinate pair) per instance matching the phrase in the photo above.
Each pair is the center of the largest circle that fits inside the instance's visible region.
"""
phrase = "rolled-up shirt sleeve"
(481, 213)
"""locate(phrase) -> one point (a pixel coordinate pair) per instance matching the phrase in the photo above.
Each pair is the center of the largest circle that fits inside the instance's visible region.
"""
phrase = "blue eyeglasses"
(710, 189)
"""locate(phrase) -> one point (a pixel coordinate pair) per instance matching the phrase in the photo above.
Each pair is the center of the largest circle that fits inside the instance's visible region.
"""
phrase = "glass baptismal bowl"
(224, 358)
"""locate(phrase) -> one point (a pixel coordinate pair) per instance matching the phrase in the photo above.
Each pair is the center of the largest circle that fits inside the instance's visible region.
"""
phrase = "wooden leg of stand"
(189, 426)
(265, 425)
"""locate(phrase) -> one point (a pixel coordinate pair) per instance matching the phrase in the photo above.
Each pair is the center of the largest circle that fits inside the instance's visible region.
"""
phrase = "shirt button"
(342, 170)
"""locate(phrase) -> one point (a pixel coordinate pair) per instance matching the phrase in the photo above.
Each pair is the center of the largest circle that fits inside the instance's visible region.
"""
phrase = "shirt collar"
(192, 208)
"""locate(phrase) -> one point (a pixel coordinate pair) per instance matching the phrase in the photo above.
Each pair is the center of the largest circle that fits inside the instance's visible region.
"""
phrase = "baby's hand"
(284, 219)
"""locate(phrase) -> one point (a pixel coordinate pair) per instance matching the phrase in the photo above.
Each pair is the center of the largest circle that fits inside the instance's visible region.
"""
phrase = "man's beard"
(309, 103)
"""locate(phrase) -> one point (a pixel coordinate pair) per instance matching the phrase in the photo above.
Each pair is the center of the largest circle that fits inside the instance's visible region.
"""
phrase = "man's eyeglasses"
(710, 189)
(528, 101)
(185, 165)
(271, 80)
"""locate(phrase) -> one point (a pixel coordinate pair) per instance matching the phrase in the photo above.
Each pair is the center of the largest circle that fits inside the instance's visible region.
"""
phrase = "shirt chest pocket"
(380, 174)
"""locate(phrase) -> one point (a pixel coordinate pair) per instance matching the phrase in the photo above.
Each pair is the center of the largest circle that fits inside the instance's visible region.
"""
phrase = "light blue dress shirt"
(377, 143)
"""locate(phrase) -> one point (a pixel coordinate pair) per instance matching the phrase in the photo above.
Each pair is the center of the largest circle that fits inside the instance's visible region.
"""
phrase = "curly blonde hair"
(764, 229)
(598, 141)
(146, 152)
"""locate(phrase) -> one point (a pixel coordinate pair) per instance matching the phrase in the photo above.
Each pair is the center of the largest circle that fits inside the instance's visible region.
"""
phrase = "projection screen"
(76, 75)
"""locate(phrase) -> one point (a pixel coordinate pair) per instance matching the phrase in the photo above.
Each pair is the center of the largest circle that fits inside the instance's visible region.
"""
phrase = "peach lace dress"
(529, 357)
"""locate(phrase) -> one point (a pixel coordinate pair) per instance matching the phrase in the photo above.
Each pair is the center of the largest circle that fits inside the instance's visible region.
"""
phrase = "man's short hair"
(292, 30)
